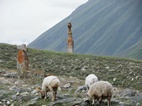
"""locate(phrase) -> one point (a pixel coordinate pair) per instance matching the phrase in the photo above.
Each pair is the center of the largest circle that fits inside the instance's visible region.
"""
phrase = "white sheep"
(50, 83)
(89, 80)
(100, 90)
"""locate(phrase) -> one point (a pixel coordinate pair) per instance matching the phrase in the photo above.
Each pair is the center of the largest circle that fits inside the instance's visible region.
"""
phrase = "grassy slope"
(120, 72)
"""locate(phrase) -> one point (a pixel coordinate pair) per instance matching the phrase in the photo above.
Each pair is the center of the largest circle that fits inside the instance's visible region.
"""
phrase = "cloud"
(24, 20)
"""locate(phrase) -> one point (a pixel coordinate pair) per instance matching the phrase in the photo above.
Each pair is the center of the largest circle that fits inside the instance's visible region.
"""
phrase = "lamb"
(100, 90)
(89, 80)
(50, 83)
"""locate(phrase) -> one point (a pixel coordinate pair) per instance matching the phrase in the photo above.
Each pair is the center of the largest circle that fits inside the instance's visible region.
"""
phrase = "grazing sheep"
(50, 83)
(89, 80)
(100, 90)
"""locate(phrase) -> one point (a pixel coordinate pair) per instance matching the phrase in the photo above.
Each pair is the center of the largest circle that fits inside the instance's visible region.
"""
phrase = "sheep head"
(42, 92)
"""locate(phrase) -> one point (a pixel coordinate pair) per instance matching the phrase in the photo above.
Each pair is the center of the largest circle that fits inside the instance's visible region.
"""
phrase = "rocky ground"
(16, 91)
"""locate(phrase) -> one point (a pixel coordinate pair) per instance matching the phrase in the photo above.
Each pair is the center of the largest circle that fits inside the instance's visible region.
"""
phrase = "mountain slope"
(133, 52)
(102, 27)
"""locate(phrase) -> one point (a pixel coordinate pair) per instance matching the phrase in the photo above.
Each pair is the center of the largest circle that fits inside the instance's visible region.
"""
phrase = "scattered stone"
(1, 104)
(138, 104)
(19, 82)
(107, 67)
(33, 102)
(15, 89)
(84, 68)
(4, 92)
(68, 85)
(114, 79)
(21, 92)
(76, 103)
(138, 97)
(4, 81)
(8, 102)
(24, 94)
(34, 91)
(124, 104)
(1, 60)
(81, 88)
(128, 92)
(11, 75)
(67, 100)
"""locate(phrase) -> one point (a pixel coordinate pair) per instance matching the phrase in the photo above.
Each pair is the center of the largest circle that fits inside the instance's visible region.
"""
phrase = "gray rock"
(4, 81)
(115, 101)
(19, 82)
(81, 88)
(1, 104)
(76, 103)
(63, 96)
(12, 75)
(1, 61)
(8, 102)
(14, 97)
(67, 100)
(4, 92)
(24, 94)
(34, 91)
(19, 90)
(138, 104)
(33, 102)
(84, 104)
(124, 104)
(15, 88)
(68, 85)
(25, 90)
(12, 104)
(128, 92)
(35, 99)
(138, 97)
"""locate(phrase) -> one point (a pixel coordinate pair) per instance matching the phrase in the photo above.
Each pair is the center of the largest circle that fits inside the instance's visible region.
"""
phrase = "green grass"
(127, 72)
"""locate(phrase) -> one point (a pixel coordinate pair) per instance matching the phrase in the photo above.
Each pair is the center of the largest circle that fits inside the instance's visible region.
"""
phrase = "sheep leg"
(46, 94)
(93, 102)
(54, 96)
(100, 101)
(53, 93)
(109, 101)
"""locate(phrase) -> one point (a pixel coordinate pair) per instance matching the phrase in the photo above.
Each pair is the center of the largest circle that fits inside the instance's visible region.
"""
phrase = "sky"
(22, 21)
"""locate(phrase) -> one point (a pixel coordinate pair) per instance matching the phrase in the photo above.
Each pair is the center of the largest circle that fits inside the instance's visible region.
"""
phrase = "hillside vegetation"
(120, 72)
(100, 27)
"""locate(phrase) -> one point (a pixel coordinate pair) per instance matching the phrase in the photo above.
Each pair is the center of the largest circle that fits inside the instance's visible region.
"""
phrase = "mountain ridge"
(100, 27)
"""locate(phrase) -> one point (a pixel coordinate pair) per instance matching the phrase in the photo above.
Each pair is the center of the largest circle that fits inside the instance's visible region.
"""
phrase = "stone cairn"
(22, 59)
(70, 42)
